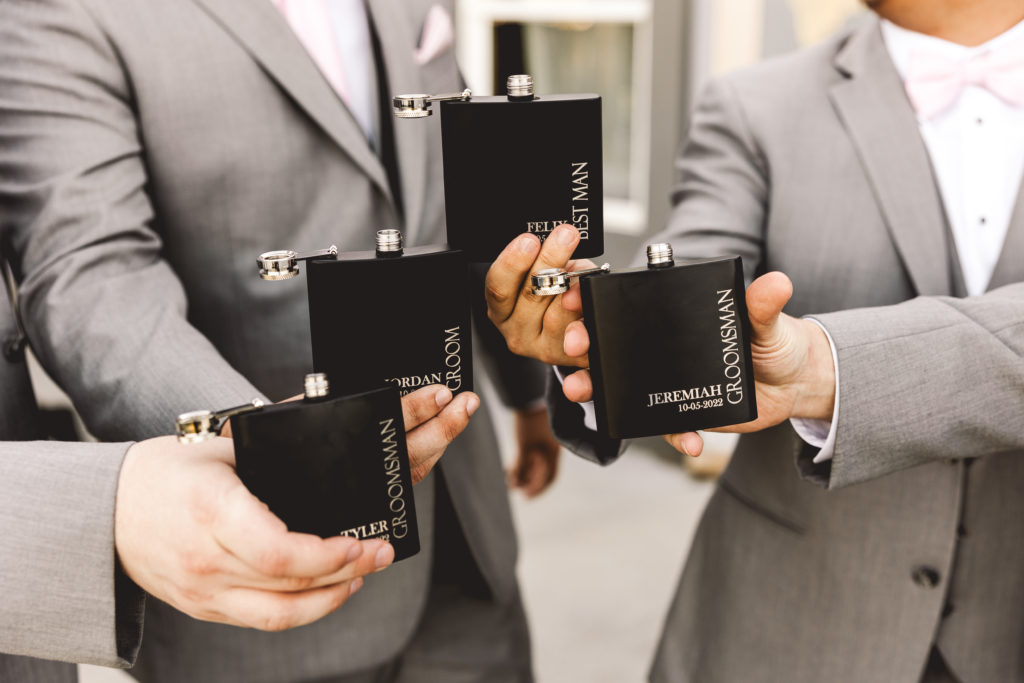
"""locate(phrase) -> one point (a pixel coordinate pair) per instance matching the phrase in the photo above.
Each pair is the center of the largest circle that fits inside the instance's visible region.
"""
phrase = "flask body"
(669, 348)
(332, 466)
(401, 320)
(522, 166)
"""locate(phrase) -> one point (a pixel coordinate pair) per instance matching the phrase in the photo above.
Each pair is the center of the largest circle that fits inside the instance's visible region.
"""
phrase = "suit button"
(925, 576)
(947, 610)
(961, 531)
(14, 349)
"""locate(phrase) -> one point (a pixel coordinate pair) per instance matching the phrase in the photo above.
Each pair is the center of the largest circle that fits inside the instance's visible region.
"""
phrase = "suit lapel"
(265, 34)
(397, 45)
(1010, 266)
(872, 104)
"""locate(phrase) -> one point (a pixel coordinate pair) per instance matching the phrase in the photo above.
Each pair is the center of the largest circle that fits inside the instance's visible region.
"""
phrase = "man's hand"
(432, 421)
(793, 371)
(534, 326)
(536, 464)
(794, 375)
(188, 532)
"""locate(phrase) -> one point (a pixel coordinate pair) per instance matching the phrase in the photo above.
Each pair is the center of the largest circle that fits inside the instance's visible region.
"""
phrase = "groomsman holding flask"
(152, 153)
(882, 165)
(86, 525)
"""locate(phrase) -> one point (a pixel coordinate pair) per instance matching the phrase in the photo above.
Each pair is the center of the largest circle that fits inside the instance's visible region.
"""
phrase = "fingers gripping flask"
(669, 345)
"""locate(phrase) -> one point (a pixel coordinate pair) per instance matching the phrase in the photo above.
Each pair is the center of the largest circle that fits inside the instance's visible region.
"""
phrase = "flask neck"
(389, 243)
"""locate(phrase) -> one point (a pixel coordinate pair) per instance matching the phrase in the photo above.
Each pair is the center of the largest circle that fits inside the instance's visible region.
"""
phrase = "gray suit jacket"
(812, 164)
(61, 595)
(58, 574)
(955, 369)
(153, 150)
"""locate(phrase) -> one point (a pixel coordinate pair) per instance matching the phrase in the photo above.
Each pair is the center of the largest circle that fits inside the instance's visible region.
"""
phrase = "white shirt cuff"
(589, 415)
(821, 433)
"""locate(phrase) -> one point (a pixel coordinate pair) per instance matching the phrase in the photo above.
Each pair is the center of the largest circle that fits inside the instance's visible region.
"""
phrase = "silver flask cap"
(201, 425)
(278, 265)
(418, 105)
(283, 264)
(555, 281)
(316, 385)
(195, 426)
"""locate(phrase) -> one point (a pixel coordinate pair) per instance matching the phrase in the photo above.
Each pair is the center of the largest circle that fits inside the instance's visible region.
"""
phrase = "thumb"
(766, 297)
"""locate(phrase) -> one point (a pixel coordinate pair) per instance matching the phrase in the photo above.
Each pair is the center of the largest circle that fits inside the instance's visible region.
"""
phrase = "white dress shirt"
(977, 152)
(350, 27)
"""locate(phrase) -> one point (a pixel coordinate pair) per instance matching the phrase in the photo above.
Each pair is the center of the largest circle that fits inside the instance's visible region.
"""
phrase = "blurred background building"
(647, 59)
(602, 549)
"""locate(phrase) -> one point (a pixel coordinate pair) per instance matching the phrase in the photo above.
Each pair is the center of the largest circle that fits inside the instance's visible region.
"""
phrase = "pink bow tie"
(934, 81)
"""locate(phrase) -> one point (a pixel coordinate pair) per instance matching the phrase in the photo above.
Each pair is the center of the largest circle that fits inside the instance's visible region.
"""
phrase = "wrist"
(816, 395)
(535, 407)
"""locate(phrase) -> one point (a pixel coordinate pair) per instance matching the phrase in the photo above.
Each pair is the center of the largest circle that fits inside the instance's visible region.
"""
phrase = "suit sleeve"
(105, 313)
(719, 209)
(64, 596)
(721, 193)
(930, 379)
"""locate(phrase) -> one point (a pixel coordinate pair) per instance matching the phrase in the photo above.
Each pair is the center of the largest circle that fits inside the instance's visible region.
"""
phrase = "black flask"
(515, 164)
(325, 465)
(394, 315)
(669, 344)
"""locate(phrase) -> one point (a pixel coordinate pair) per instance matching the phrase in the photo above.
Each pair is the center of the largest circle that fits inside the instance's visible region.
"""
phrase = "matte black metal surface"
(331, 466)
(515, 167)
(402, 320)
(661, 348)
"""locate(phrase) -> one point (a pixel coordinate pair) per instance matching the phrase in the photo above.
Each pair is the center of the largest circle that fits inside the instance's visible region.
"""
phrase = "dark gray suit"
(813, 165)
(151, 152)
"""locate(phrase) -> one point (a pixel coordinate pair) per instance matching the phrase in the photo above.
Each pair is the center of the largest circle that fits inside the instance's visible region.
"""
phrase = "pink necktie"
(311, 22)
(934, 81)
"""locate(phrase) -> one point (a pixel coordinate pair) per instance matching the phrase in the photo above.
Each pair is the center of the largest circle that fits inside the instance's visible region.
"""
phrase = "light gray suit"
(151, 152)
(813, 165)
(57, 557)
(57, 561)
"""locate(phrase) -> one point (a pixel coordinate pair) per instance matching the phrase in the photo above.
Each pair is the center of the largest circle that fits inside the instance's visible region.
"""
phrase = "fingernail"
(354, 552)
(565, 236)
(527, 244)
(443, 397)
(355, 585)
(385, 556)
(471, 405)
(683, 448)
